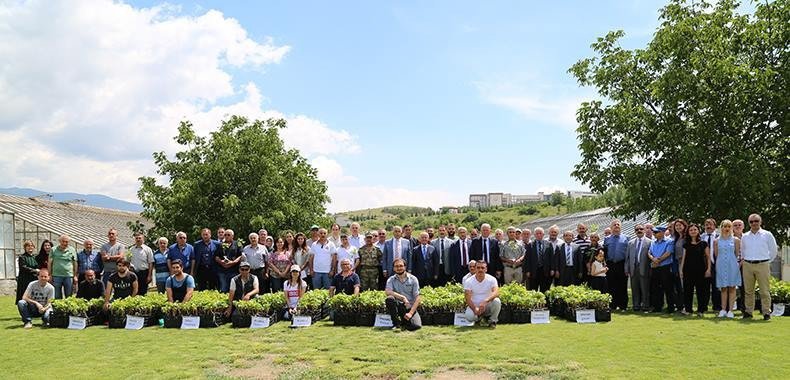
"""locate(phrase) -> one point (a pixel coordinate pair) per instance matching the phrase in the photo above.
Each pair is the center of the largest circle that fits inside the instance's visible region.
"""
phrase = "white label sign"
(301, 321)
(461, 321)
(779, 310)
(539, 316)
(190, 322)
(77, 323)
(260, 322)
(585, 316)
(134, 323)
(383, 320)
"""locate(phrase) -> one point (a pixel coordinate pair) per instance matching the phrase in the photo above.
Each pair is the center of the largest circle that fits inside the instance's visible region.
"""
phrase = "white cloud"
(533, 101)
(85, 100)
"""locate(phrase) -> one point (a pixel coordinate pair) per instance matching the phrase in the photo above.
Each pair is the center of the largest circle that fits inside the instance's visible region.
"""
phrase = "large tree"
(241, 177)
(696, 123)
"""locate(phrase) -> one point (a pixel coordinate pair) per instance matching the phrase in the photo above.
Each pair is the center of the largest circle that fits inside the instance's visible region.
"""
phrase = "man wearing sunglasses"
(243, 286)
(758, 249)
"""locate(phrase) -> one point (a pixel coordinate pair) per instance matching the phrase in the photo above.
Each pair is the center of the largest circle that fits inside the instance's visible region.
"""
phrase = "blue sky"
(418, 102)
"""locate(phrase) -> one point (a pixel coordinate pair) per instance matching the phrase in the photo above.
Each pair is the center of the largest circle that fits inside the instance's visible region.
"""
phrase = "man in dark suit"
(460, 256)
(539, 268)
(486, 248)
(425, 261)
(568, 262)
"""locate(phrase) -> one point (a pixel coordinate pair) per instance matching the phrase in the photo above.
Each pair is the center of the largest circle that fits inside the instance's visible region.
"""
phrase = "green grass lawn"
(631, 346)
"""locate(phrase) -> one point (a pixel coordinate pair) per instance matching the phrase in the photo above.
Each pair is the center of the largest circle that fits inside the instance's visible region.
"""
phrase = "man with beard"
(121, 284)
(403, 298)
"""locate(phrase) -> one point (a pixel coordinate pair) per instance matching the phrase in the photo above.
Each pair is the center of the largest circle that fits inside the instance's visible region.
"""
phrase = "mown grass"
(631, 346)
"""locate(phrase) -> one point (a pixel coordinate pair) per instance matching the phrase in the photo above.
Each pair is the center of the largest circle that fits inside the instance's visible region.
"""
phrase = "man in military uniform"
(369, 261)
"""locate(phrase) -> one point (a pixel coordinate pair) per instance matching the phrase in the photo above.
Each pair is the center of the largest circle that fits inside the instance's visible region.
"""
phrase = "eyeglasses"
(244, 269)
(754, 221)
(640, 229)
(182, 237)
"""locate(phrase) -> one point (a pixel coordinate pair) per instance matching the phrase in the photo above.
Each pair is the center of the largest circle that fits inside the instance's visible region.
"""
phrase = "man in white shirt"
(355, 240)
(322, 261)
(758, 249)
(482, 296)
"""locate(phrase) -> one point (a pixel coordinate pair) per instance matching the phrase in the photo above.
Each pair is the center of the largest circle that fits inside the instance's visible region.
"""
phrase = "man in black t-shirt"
(90, 288)
(121, 284)
(346, 281)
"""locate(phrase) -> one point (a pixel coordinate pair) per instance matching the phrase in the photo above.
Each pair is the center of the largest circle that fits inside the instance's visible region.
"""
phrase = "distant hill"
(97, 200)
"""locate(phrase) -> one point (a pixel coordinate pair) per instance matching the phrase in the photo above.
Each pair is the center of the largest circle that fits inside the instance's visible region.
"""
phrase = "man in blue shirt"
(183, 251)
(205, 266)
(616, 246)
(661, 281)
(89, 259)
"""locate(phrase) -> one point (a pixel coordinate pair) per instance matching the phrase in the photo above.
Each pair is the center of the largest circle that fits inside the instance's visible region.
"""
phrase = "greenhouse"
(38, 219)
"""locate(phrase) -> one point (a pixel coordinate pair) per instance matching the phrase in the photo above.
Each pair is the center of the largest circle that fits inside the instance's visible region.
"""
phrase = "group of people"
(664, 264)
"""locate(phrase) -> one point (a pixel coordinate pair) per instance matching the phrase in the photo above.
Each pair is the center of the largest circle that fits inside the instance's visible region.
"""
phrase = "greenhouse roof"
(78, 221)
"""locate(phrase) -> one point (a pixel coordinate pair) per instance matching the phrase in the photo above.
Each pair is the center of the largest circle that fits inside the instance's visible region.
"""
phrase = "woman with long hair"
(679, 235)
(695, 271)
(43, 254)
(279, 263)
(300, 255)
(727, 250)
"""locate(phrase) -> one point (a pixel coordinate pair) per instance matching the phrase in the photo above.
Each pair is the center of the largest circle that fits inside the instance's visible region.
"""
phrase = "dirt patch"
(457, 374)
(259, 369)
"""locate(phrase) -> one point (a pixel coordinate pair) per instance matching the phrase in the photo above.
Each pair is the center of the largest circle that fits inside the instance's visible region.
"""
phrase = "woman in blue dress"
(727, 250)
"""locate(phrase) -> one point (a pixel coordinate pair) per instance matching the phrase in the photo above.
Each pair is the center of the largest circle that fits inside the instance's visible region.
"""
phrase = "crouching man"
(37, 300)
(403, 298)
(482, 296)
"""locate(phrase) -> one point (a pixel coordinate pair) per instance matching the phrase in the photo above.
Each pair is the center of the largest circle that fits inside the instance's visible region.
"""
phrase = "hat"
(368, 235)
(314, 227)
(244, 264)
(659, 229)
(295, 268)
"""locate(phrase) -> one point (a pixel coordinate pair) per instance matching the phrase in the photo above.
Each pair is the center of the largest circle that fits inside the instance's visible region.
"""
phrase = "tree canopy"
(240, 177)
(695, 124)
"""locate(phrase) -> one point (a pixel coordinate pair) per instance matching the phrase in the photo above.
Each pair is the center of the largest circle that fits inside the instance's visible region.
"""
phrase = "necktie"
(568, 259)
(441, 250)
(540, 254)
(638, 249)
(485, 250)
(463, 252)
(424, 253)
(397, 249)
(710, 247)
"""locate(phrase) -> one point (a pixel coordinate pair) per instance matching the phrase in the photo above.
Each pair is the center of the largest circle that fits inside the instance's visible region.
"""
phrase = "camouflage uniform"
(369, 261)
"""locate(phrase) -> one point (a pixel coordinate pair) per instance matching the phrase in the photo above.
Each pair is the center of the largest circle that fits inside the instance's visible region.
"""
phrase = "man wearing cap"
(661, 280)
(369, 262)
(511, 252)
(403, 298)
(243, 286)
(313, 235)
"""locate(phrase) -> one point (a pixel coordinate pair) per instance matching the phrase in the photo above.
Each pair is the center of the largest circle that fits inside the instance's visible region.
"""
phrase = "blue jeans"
(28, 310)
(64, 286)
(321, 280)
(224, 281)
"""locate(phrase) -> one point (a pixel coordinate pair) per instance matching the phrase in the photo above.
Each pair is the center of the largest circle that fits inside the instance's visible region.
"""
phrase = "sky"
(395, 103)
